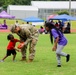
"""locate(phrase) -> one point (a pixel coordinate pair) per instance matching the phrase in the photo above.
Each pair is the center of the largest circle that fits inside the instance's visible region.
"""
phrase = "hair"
(52, 26)
(10, 36)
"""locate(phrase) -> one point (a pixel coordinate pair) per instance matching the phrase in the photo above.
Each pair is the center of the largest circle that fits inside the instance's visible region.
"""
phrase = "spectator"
(17, 23)
(41, 30)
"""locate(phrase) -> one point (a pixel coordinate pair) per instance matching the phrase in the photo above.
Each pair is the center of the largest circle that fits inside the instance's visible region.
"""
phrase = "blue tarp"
(32, 19)
(63, 17)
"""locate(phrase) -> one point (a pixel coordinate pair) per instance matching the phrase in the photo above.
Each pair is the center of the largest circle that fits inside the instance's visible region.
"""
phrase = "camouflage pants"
(32, 45)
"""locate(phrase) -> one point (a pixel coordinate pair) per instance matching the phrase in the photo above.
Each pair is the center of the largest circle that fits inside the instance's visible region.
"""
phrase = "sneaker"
(58, 65)
(1, 60)
(67, 57)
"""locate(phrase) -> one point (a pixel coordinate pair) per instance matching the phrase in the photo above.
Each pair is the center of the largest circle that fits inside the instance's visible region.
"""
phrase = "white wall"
(20, 13)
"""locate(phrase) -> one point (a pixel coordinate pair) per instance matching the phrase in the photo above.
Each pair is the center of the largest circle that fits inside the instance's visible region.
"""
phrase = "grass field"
(45, 60)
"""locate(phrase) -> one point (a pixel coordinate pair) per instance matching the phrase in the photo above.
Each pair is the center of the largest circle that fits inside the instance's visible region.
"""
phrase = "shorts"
(9, 52)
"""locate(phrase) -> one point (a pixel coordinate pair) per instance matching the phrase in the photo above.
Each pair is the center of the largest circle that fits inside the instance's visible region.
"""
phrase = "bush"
(63, 12)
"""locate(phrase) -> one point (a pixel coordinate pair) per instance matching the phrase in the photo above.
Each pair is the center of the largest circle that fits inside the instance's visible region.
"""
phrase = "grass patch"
(45, 60)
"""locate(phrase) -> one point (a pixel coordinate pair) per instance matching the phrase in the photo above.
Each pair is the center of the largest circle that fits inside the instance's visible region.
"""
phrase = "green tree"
(21, 2)
(1, 3)
(14, 2)
(63, 12)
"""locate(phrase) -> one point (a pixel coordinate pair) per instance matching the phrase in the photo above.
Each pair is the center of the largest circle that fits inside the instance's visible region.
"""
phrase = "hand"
(54, 48)
(18, 50)
(20, 45)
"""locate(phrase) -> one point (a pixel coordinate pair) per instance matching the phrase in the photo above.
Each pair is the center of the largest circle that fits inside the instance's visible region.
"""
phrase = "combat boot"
(23, 59)
(30, 60)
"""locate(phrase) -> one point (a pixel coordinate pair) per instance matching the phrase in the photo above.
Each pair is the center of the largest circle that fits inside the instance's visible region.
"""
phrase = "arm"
(55, 44)
(28, 35)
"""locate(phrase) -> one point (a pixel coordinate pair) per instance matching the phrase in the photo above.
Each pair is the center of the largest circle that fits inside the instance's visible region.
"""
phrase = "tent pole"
(70, 12)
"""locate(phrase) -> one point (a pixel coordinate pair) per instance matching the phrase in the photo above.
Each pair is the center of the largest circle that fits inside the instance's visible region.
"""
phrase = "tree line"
(5, 3)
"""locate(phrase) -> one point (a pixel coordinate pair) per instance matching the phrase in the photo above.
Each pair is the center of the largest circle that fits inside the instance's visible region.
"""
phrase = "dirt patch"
(6, 30)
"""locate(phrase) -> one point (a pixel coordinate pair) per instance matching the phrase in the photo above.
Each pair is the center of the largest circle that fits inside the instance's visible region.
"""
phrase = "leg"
(32, 49)
(14, 54)
(59, 53)
(23, 52)
(14, 57)
(4, 57)
(7, 54)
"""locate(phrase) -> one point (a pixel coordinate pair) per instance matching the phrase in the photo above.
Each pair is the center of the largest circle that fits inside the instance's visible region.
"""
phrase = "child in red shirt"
(11, 47)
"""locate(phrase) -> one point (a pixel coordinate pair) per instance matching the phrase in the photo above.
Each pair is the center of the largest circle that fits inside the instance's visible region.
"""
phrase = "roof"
(22, 7)
(54, 4)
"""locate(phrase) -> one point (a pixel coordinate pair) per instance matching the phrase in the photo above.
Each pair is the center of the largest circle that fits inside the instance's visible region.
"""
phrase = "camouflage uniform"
(29, 34)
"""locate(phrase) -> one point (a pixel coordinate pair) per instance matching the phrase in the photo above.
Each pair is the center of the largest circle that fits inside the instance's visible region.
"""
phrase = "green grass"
(45, 59)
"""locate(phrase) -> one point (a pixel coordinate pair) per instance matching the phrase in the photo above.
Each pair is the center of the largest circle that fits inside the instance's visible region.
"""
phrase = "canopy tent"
(51, 16)
(4, 14)
(63, 17)
(32, 19)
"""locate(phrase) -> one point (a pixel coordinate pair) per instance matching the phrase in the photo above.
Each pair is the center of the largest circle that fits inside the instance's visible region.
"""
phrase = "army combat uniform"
(29, 34)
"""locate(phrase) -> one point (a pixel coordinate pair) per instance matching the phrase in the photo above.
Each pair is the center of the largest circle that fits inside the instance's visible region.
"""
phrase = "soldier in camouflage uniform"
(29, 34)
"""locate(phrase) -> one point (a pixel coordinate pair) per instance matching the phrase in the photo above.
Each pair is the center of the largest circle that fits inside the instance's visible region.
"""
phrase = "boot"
(23, 59)
(30, 60)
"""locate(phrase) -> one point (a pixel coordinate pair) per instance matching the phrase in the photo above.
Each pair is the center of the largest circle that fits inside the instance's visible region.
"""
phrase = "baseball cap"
(13, 28)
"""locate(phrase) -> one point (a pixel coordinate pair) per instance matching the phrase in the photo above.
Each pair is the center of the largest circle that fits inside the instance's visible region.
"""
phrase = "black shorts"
(9, 52)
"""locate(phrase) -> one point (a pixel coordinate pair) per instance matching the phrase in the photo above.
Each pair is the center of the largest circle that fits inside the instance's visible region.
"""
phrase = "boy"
(11, 47)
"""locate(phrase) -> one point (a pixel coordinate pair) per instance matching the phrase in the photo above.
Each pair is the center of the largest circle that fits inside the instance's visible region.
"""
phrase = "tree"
(63, 12)
(1, 3)
(21, 2)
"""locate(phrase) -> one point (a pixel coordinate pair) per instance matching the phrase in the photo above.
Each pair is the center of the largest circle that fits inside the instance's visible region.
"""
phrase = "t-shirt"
(62, 39)
(12, 44)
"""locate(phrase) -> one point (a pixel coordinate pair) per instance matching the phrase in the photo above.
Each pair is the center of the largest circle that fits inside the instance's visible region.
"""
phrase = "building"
(46, 8)
(1, 9)
(21, 11)
(41, 9)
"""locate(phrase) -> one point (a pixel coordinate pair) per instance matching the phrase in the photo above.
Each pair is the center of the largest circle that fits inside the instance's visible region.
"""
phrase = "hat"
(13, 28)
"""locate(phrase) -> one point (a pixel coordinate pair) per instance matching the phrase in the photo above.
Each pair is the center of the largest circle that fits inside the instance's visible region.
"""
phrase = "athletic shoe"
(58, 65)
(1, 60)
(67, 57)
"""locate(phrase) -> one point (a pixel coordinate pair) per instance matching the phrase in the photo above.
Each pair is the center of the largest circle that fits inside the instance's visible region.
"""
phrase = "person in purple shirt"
(59, 42)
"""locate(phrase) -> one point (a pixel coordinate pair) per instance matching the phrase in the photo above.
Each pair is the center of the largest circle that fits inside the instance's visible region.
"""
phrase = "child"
(11, 47)
(59, 42)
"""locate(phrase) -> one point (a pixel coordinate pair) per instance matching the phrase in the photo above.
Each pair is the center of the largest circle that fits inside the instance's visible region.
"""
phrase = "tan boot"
(30, 60)
(23, 59)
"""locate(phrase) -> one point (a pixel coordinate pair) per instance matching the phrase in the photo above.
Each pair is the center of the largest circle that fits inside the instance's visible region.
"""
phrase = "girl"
(59, 42)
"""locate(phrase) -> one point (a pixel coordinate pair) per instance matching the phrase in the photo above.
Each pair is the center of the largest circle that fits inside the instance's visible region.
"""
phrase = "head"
(27, 22)
(15, 29)
(41, 27)
(48, 26)
(16, 21)
(10, 37)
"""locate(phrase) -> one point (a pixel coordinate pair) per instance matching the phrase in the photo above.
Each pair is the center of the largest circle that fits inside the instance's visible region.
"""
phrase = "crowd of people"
(63, 26)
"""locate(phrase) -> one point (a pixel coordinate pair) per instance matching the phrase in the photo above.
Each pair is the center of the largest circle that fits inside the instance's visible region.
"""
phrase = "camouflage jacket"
(28, 33)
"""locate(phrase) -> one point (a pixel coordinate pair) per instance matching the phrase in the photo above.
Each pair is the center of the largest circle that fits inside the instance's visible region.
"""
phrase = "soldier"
(29, 35)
